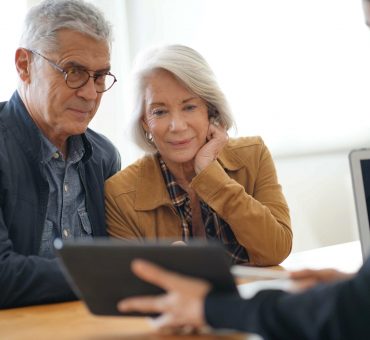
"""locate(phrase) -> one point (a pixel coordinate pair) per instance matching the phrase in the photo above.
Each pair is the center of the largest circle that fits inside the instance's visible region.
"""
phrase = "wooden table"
(73, 321)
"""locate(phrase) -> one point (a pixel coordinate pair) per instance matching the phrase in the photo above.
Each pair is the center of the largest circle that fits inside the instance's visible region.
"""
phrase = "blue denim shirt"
(66, 215)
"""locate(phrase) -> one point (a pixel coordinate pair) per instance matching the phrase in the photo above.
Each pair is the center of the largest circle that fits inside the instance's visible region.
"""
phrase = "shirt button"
(55, 155)
(65, 232)
(65, 187)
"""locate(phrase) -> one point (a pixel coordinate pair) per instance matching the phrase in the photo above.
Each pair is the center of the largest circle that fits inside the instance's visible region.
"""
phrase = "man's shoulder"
(102, 147)
(7, 124)
(2, 104)
(103, 152)
(3, 114)
(98, 139)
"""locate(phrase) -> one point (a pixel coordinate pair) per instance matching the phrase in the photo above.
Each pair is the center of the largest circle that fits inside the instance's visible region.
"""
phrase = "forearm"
(31, 280)
(262, 228)
(336, 311)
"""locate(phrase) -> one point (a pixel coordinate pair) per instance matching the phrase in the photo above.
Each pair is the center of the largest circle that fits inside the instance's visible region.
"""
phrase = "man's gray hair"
(192, 70)
(44, 20)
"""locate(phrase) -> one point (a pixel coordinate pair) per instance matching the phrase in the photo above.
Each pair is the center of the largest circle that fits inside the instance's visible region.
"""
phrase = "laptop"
(99, 269)
(360, 171)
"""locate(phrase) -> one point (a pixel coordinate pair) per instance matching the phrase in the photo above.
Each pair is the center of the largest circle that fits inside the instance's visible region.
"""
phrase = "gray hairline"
(45, 20)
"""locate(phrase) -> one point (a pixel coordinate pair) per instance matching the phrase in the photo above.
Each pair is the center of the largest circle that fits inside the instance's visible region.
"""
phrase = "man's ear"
(22, 63)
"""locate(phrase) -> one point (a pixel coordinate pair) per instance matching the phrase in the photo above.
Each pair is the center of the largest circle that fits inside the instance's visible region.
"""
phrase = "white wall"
(319, 192)
(295, 71)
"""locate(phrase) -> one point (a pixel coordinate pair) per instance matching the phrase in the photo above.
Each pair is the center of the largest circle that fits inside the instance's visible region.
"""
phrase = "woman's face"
(176, 118)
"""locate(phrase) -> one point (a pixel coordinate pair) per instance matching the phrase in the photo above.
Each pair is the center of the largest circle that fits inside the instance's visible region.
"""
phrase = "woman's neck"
(183, 172)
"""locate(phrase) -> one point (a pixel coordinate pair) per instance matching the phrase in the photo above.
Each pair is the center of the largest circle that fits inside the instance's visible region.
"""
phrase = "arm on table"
(28, 280)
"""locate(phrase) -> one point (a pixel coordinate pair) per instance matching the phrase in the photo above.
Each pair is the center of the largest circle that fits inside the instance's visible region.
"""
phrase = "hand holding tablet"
(100, 272)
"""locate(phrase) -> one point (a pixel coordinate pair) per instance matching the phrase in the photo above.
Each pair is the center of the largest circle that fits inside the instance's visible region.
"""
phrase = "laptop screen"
(365, 169)
(360, 171)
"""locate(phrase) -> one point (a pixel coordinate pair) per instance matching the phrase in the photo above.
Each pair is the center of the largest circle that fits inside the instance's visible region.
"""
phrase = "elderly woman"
(195, 181)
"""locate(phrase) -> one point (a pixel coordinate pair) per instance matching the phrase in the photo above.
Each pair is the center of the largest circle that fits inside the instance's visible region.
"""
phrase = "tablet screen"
(99, 269)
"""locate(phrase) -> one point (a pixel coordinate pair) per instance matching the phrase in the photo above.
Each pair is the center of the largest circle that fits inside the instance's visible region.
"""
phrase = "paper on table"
(265, 273)
(273, 279)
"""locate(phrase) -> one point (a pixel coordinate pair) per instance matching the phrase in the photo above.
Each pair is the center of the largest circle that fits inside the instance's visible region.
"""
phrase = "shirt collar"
(49, 151)
(177, 194)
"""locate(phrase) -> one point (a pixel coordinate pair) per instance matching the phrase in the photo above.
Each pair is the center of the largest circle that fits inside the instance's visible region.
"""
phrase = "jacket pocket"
(84, 223)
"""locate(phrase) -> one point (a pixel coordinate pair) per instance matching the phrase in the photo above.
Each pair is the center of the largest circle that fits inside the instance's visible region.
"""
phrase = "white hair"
(44, 20)
(191, 69)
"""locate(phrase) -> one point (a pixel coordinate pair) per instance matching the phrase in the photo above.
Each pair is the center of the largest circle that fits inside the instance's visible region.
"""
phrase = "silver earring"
(149, 137)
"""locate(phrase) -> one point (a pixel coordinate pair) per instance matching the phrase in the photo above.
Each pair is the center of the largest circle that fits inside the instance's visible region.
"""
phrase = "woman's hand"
(181, 307)
(217, 137)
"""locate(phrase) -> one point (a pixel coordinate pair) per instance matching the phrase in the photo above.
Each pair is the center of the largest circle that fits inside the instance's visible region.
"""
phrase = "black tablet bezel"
(100, 274)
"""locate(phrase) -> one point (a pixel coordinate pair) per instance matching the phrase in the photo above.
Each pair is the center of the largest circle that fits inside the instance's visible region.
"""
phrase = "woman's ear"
(144, 125)
(147, 133)
(22, 63)
(213, 115)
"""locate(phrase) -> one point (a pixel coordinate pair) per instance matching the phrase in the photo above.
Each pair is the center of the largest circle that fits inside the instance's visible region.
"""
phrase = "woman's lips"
(181, 143)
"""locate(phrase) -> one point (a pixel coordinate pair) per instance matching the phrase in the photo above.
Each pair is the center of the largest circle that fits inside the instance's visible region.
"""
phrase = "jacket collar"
(151, 188)
(18, 121)
(228, 159)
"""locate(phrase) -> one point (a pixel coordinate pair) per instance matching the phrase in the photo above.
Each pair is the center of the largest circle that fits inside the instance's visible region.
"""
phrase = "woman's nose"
(177, 122)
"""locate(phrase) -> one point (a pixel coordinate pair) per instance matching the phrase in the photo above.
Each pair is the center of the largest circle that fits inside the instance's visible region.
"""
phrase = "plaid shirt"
(215, 227)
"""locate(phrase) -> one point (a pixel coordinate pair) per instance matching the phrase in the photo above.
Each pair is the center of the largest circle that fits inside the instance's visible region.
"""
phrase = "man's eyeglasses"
(76, 77)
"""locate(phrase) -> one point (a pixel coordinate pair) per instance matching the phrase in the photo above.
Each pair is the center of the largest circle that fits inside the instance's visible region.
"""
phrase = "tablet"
(99, 269)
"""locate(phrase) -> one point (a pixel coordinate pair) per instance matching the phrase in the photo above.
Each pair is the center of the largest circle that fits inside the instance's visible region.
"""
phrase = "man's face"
(56, 109)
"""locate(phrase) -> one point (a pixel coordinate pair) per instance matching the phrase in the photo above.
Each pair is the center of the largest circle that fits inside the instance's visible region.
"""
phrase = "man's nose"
(88, 91)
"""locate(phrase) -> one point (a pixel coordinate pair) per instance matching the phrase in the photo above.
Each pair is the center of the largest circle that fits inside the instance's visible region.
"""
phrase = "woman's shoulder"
(249, 142)
(243, 151)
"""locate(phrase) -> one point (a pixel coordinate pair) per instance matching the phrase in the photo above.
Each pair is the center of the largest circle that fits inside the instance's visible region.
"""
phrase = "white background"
(296, 72)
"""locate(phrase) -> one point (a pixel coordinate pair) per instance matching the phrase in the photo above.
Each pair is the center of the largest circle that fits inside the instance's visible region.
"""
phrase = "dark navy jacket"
(26, 278)
(335, 311)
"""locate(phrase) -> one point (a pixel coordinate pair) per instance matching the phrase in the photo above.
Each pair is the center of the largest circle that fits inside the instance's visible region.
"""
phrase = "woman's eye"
(190, 107)
(158, 112)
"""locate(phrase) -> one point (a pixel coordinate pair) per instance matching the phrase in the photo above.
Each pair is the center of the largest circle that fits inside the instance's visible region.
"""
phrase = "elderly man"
(52, 167)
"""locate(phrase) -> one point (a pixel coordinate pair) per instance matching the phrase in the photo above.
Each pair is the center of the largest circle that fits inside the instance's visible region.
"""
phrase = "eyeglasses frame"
(62, 70)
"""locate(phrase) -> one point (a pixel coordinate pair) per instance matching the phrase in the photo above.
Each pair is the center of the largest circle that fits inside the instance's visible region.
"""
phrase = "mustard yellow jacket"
(241, 186)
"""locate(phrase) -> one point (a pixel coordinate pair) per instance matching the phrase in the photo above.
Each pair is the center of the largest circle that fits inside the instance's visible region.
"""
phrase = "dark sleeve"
(28, 280)
(336, 311)
(116, 162)
(106, 152)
